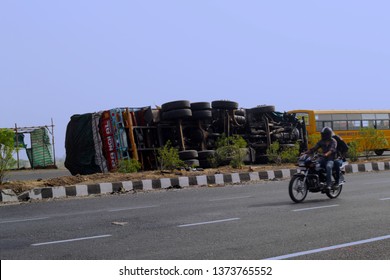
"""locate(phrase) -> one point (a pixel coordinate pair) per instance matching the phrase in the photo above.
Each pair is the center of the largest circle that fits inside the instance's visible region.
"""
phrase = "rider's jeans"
(328, 165)
(337, 164)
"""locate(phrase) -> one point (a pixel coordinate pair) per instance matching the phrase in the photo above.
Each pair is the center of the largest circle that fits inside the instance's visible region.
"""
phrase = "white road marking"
(386, 198)
(209, 222)
(74, 214)
(132, 208)
(23, 220)
(380, 238)
(315, 208)
(229, 198)
(71, 240)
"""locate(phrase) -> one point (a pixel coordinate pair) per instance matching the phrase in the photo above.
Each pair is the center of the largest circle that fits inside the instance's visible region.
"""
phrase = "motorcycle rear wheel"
(297, 189)
(335, 193)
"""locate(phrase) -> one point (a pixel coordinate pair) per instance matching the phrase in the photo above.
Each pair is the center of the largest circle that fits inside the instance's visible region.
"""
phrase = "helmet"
(326, 133)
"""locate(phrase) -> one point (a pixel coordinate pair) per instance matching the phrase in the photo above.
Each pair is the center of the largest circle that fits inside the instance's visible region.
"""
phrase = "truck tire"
(262, 109)
(177, 114)
(206, 154)
(201, 115)
(224, 105)
(199, 106)
(188, 154)
(175, 105)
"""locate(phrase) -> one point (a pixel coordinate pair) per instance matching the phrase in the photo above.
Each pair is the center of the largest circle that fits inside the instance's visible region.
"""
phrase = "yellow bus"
(346, 123)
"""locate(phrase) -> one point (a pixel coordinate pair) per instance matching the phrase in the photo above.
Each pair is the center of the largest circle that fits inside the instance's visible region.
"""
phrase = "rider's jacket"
(326, 146)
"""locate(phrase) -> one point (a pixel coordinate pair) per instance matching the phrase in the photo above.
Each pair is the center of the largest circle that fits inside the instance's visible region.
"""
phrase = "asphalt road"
(237, 222)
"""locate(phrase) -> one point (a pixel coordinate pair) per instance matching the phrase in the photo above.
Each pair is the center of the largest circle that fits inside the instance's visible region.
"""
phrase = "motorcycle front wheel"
(297, 189)
(335, 192)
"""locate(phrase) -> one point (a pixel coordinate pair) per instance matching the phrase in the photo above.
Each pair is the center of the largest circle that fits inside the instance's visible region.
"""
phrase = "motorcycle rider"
(342, 149)
(328, 145)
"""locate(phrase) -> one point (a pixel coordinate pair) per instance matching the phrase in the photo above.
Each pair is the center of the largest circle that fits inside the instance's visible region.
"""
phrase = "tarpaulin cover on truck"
(80, 146)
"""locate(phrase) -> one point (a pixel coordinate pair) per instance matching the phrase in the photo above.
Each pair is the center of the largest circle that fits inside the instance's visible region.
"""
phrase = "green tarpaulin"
(40, 153)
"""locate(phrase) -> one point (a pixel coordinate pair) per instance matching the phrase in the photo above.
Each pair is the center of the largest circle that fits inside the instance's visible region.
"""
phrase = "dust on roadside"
(25, 185)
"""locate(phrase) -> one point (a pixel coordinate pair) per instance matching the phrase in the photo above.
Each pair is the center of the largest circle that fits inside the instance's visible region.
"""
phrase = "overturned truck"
(97, 142)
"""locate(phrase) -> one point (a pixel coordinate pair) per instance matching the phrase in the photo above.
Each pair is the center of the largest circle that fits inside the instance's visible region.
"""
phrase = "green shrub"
(278, 154)
(234, 140)
(290, 154)
(370, 140)
(230, 150)
(168, 157)
(7, 149)
(273, 153)
(353, 153)
(129, 166)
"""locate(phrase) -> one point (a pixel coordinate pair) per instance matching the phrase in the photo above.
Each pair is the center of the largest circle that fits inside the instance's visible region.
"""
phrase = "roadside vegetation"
(231, 150)
(371, 140)
(129, 166)
(168, 157)
(7, 150)
(353, 153)
(278, 154)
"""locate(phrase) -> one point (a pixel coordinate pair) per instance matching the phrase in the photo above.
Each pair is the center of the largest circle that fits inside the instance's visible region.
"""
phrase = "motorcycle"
(312, 178)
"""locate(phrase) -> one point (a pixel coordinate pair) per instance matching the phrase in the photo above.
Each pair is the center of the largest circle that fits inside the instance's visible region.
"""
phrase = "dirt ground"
(21, 186)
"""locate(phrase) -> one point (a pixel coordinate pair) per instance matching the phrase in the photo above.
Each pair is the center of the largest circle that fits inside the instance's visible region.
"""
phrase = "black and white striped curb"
(166, 183)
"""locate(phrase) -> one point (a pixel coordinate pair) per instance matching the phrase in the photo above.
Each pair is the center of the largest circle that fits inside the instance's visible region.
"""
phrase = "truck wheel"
(262, 109)
(199, 106)
(224, 105)
(177, 114)
(379, 152)
(204, 155)
(201, 115)
(175, 105)
(188, 154)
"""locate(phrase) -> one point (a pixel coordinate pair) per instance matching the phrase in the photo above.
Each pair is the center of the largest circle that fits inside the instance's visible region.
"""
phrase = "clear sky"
(65, 57)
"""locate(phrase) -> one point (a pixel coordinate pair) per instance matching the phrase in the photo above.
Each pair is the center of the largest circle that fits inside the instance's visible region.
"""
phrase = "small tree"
(7, 149)
(370, 140)
(231, 150)
(168, 157)
(273, 153)
(353, 153)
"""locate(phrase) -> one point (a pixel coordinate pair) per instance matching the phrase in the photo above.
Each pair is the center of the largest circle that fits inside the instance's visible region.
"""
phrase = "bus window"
(382, 124)
(319, 126)
(324, 117)
(354, 125)
(370, 123)
(305, 116)
(354, 117)
(382, 116)
(368, 116)
(328, 124)
(340, 125)
(339, 117)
